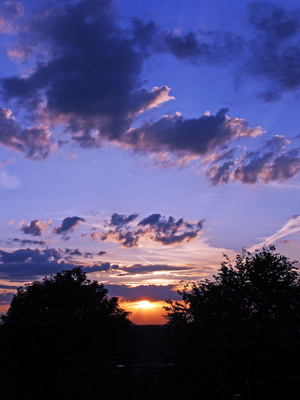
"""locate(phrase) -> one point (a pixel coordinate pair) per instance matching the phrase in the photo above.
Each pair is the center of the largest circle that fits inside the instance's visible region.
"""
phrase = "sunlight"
(144, 304)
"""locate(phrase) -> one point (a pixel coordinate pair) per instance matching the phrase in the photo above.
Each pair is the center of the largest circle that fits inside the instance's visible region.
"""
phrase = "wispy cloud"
(292, 226)
(8, 181)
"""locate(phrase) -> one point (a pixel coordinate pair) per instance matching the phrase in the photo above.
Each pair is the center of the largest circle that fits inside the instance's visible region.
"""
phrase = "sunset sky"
(144, 140)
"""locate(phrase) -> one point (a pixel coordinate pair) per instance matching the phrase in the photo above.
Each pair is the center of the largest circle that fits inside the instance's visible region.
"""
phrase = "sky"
(145, 140)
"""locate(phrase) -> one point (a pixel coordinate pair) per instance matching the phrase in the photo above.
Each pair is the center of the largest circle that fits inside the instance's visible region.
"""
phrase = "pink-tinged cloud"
(127, 232)
(198, 136)
(36, 227)
(9, 12)
(292, 226)
(34, 142)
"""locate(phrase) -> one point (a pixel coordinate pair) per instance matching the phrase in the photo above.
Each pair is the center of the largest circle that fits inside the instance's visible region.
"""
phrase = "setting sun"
(144, 304)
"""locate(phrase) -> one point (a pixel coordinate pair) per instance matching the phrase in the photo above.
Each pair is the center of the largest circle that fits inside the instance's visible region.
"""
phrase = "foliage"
(240, 331)
(60, 336)
(64, 300)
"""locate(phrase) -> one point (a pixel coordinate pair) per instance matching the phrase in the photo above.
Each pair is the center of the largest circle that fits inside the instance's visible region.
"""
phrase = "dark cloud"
(142, 292)
(26, 255)
(271, 163)
(71, 253)
(186, 46)
(220, 173)
(8, 287)
(89, 78)
(86, 76)
(248, 172)
(191, 136)
(271, 49)
(266, 168)
(36, 227)
(153, 219)
(34, 142)
(274, 51)
(121, 219)
(145, 34)
(284, 167)
(212, 47)
(27, 242)
(68, 225)
(154, 227)
(101, 253)
(106, 266)
(146, 269)
(28, 264)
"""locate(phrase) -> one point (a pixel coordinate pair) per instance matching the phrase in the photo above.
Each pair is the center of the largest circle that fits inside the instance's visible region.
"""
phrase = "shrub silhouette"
(238, 334)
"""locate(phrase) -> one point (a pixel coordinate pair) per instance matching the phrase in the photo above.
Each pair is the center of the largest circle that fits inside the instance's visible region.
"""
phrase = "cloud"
(8, 181)
(90, 77)
(8, 287)
(34, 141)
(9, 12)
(101, 253)
(27, 242)
(71, 253)
(36, 227)
(212, 47)
(121, 219)
(155, 227)
(28, 264)
(271, 163)
(68, 225)
(146, 269)
(274, 50)
(86, 77)
(198, 136)
(142, 292)
(292, 226)
(268, 50)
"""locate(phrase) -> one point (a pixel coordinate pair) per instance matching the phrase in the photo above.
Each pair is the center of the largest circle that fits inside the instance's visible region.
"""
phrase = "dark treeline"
(233, 337)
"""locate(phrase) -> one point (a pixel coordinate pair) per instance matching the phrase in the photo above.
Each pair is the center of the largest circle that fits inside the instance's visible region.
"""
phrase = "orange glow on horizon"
(144, 304)
(145, 312)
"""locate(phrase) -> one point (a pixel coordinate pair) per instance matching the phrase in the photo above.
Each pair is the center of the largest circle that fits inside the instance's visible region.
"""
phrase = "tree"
(64, 300)
(60, 337)
(239, 332)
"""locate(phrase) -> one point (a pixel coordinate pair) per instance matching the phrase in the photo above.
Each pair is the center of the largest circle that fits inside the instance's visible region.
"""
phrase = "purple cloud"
(198, 136)
(155, 227)
(28, 264)
(68, 225)
(34, 142)
(27, 242)
(36, 227)
(150, 292)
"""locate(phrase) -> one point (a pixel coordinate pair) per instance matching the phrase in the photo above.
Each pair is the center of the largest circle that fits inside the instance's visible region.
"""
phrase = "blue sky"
(143, 141)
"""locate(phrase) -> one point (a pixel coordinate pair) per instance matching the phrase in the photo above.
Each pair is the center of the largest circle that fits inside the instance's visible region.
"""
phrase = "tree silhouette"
(60, 336)
(238, 334)
(65, 300)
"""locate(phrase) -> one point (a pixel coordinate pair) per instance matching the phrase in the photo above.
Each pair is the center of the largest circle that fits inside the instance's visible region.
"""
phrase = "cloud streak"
(292, 226)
